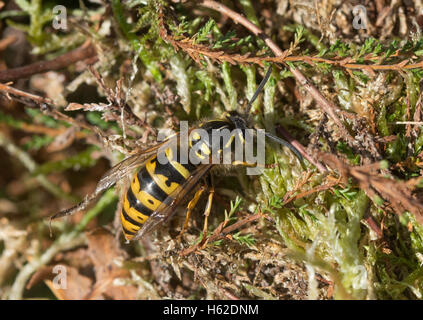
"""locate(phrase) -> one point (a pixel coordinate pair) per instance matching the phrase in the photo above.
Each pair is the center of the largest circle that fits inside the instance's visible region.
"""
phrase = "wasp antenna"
(260, 87)
(286, 144)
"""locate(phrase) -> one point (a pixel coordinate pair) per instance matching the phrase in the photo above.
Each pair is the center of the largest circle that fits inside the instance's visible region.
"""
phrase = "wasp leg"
(246, 164)
(207, 211)
(190, 207)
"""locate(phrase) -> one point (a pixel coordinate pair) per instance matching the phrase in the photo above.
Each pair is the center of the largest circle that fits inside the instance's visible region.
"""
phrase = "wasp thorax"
(225, 141)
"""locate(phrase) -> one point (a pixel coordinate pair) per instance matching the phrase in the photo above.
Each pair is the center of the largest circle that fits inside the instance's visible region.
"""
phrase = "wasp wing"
(123, 168)
(116, 173)
(167, 208)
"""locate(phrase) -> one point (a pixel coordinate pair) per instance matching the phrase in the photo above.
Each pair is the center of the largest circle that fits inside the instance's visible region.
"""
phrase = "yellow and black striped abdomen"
(156, 182)
(150, 187)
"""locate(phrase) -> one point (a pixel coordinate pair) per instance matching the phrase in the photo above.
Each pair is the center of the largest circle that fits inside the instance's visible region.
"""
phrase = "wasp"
(158, 188)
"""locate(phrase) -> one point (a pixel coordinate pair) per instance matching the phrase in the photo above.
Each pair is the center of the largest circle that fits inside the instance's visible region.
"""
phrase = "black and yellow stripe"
(155, 183)
(155, 190)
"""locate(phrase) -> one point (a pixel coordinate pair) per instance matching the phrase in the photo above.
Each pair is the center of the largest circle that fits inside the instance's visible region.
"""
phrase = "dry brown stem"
(328, 106)
(84, 52)
(221, 232)
(398, 195)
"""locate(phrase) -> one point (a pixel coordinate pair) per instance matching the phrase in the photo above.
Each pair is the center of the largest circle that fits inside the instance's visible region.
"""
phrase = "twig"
(45, 105)
(301, 149)
(118, 106)
(84, 52)
(196, 50)
(311, 191)
(398, 195)
(329, 107)
(219, 233)
(234, 226)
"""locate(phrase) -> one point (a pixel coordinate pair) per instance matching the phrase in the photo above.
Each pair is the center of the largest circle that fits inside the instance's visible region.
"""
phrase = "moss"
(170, 64)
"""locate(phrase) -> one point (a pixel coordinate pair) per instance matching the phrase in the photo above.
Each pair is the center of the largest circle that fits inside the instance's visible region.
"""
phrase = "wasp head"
(238, 120)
